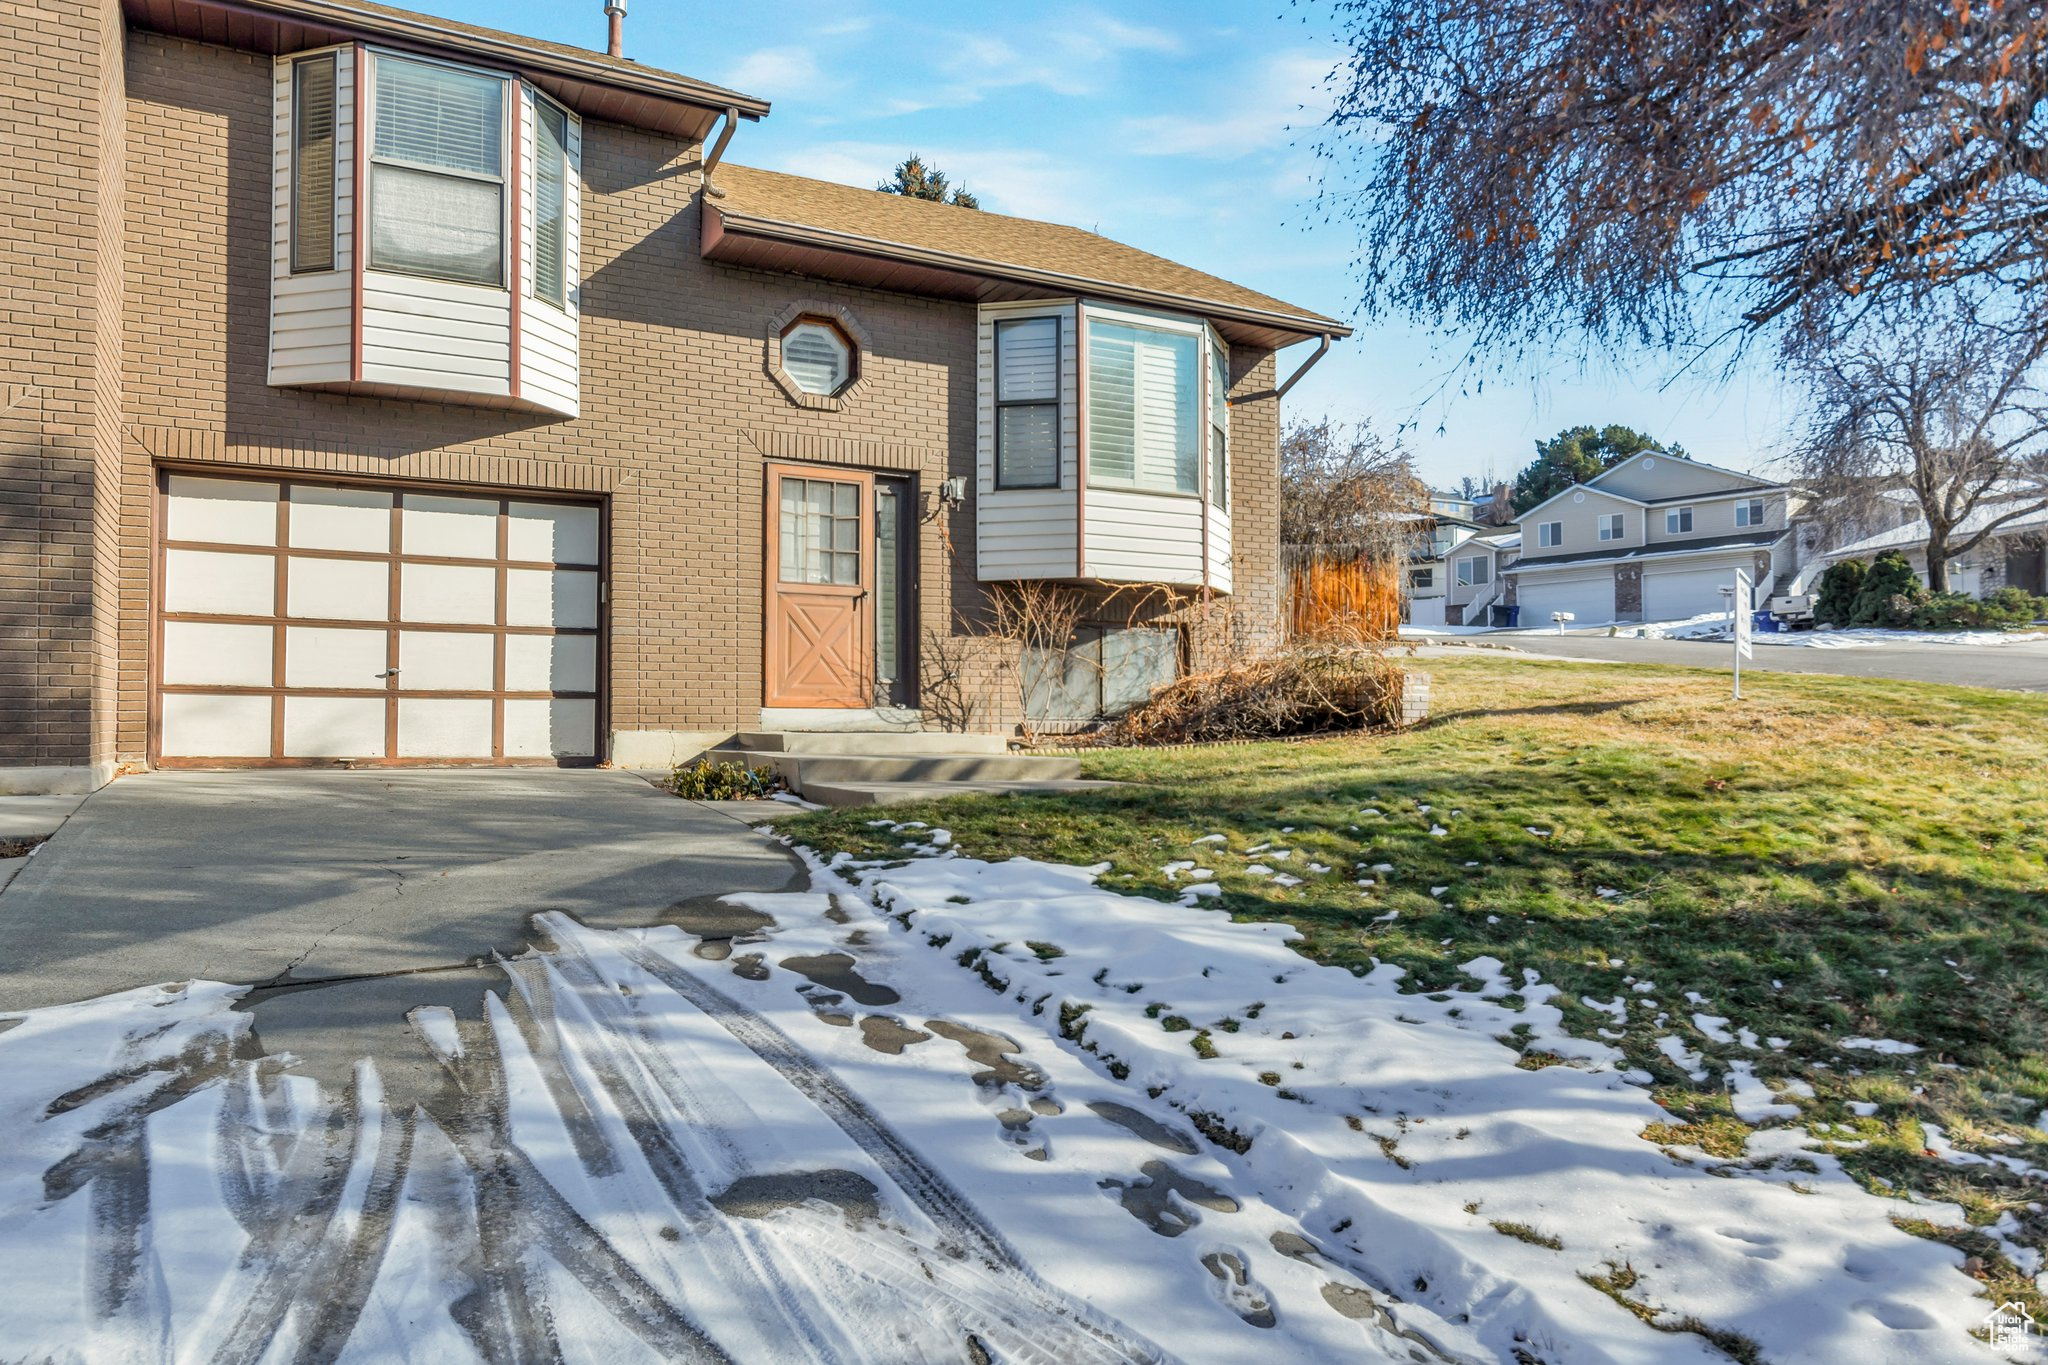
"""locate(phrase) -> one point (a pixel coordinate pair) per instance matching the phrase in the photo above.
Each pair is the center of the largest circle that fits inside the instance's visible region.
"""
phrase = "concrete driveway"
(349, 898)
(2018, 667)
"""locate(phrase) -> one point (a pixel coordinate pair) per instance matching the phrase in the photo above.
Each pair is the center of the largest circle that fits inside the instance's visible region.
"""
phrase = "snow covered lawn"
(1715, 627)
(942, 1110)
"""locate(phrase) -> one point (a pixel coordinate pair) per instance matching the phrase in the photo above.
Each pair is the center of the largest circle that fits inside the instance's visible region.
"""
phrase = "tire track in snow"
(930, 1191)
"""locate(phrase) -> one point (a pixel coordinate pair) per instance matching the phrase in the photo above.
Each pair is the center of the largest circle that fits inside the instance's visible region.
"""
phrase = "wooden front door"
(820, 605)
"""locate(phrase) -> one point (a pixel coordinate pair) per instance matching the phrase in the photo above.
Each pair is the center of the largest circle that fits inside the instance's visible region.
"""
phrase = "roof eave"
(724, 225)
(273, 26)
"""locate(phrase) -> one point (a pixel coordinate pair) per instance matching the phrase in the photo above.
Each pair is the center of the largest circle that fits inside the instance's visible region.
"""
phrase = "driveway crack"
(283, 977)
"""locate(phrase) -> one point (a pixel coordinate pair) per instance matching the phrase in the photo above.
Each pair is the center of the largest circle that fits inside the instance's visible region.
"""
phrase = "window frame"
(1474, 571)
(1751, 513)
(543, 106)
(1619, 522)
(1422, 578)
(1217, 466)
(1167, 326)
(1549, 535)
(831, 328)
(371, 87)
(1675, 515)
(332, 58)
(1056, 403)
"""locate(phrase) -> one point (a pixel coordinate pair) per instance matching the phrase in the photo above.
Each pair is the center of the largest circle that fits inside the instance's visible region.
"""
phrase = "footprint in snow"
(1162, 1198)
(1239, 1291)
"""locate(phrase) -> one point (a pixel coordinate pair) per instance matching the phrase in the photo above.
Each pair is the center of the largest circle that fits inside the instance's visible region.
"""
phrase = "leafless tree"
(1952, 412)
(1660, 171)
(1347, 490)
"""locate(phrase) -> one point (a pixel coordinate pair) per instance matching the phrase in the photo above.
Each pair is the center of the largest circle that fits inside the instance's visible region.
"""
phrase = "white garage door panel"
(1589, 599)
(487, 650)
(199, 726)
(1676, 594)
(212, 654)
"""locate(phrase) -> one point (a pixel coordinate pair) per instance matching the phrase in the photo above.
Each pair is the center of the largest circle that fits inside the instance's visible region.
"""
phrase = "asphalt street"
(2017, 667)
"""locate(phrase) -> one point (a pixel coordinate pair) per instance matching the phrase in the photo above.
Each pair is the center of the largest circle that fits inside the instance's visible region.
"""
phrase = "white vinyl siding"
(1136, 537)
(1143, 423)
(437, 192)
(1027, 533)
(1028, 403)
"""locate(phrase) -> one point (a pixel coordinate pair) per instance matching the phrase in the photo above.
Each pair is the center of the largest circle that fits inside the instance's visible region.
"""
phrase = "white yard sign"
(1740, 603)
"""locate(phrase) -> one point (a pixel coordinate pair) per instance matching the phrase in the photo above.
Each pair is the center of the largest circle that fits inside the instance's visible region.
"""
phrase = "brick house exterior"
(134, 342)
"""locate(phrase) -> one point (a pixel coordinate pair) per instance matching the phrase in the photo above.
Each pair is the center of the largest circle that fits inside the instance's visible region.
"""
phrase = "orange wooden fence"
(1343, 601)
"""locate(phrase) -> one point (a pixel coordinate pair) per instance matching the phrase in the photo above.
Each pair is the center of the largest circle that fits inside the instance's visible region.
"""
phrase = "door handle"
(388, 673)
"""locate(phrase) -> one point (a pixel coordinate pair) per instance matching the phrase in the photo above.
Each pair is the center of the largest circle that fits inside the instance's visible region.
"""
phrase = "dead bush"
(1302, 690)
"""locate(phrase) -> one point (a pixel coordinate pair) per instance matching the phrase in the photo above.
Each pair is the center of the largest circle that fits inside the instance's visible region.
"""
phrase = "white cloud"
(775, 72)
(1282, 100)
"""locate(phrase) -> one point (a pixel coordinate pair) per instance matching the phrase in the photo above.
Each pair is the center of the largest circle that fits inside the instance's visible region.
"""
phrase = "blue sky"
(1183, 127)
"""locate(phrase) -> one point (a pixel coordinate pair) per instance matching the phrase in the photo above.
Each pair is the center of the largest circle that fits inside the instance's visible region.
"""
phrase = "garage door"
(307, 623)
(1590, 599)
(1675, 594)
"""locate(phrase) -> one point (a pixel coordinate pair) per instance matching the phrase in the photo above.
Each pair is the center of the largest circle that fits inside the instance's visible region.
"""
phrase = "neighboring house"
(1477, 591)
(1437, 537)
(1655, 538)
(380, 389)
(2012, 556)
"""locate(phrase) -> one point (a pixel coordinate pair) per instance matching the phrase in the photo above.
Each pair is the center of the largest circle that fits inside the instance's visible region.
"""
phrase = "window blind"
(1219, 429)
(815, 359)
(313, 127)
(1027, 403)
(550, 203)
(1143, 408)
(437, 198)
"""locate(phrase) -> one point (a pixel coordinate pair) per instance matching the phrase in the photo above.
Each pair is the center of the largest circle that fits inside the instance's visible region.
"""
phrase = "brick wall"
(680, 413)
(60, 125)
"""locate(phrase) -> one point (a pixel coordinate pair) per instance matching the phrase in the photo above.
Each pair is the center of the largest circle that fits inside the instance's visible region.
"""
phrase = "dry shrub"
(1302, 690)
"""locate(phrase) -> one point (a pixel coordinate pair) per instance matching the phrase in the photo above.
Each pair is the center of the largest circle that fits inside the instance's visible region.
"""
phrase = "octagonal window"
(817, 357)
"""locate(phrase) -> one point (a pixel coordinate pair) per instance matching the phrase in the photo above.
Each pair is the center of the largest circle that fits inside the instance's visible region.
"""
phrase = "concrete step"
(896, 793)
(868, 742)
(804, 769)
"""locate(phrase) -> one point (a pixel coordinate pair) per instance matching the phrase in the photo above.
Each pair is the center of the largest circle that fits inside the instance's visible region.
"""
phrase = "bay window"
(1028, 403)
(1144, 430)
(437, 187)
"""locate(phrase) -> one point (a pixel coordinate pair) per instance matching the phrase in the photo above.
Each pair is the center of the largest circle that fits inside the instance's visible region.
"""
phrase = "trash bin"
(1507, 617)
(1764, 623)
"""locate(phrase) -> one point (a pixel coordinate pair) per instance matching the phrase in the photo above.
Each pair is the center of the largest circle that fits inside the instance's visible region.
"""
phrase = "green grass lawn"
(1829, 858)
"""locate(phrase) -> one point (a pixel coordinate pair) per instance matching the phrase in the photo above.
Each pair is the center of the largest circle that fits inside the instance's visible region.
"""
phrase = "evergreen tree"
(1888, 593)
(1579, 454)
(915, 180)
(1836, 601)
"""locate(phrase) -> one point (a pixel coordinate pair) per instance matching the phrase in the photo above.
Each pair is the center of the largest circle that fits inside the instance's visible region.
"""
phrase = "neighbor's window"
(1028, 403)
(1144, 419)
(313, 125)
(1422, 578)
(1476, 572)
(1678, 520)
(817, 357)
(1549, 534)
(1750, 512)
(437, 174)
(1610, 526)
(550, 203)
(1219, 427)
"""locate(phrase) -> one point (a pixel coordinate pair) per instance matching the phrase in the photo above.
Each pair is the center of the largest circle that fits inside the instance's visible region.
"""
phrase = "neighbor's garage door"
(1675, 594)
(1590, 599)
(305, 623)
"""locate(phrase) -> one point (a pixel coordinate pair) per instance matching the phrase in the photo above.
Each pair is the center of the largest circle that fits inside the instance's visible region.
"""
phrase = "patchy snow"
(1889, 1046)
(1714, 626)
(1754, 1101)
(932, 1112)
